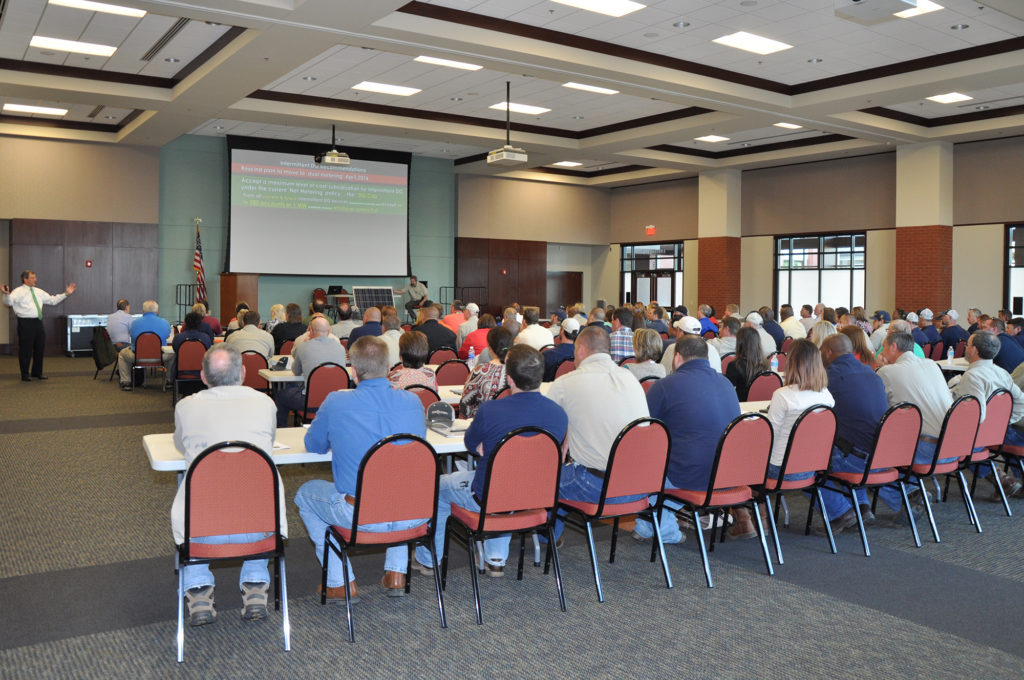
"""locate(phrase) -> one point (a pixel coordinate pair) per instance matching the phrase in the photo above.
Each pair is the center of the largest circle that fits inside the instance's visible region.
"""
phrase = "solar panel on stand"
(373, 296)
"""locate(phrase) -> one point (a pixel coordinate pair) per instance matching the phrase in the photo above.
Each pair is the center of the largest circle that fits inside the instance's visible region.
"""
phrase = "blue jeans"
(253, 571)
(457, 488)
(577, 484)
(1014, 437)
(667, 522)
(837, 504)
(320, 505)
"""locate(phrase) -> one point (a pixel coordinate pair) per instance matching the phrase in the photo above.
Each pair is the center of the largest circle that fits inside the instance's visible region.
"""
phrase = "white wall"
(756, 253)
(880, 271)
(978, 268)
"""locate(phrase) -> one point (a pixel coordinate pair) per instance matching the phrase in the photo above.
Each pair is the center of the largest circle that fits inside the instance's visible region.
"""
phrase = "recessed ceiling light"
(218, 127)
(612, 8)
(981, 107)
(590, 88)
(949, 98)
(752, 43)
(46, 53)
(72, 46)
(309, 78)
(520, 108)
(650, 35)
(100, 7)
(456, 99)
(814, 60)
(748, 3)
(577, 117)
(109, 117)
(384, 88)
(711, 138)
(746, 143)
(567, 164)
(447, 62)
(788, 126)
(923, 7)
(43, 110)
(172, 60)
(681, 24)
(959, 27)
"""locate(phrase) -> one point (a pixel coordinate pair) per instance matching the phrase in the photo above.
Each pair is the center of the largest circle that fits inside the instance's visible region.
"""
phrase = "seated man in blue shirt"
(348, 423)
(952, 332)
(696, 403)
(524, 368)
(149, 322)
(564, 350)
(119, 325)
(1011, 353)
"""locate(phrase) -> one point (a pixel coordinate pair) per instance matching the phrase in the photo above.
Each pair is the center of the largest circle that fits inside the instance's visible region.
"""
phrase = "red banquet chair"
(763, 386)
(324, 379)
(442, 354)
(148, 354)
(187, 365)
(232, 488)
(781, 358)
(520, 496)
(567, 365)
(426, 394)
(727, 359)
(452, 372)
(648, 382)
(637, 464)
(382, 496)
(254, 362)
(991, 433)
(287, 346)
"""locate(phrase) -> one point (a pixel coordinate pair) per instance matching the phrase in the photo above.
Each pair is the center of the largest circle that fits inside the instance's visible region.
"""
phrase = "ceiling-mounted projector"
(333, 157)
(506, 155)
(868, 12)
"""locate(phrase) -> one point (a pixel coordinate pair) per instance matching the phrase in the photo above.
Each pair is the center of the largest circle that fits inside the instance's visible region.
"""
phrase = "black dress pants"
(31, 344)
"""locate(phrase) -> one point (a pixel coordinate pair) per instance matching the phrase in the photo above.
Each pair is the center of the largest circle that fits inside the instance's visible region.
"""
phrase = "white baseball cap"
(689, 325)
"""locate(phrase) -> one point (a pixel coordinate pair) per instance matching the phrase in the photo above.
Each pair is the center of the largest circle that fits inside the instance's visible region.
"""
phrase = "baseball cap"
(570, 325)
(952, 314)
(473, 308)
(689, 325)
(911, 317)
(926, 314)
(559, 314)
(882, 315)
(755, 319)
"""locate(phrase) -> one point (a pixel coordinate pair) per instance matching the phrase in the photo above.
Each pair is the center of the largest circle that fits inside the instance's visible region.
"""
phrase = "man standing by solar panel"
(417, 295)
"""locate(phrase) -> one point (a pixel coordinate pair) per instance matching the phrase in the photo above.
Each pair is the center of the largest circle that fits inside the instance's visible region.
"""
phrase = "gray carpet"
(87, 584)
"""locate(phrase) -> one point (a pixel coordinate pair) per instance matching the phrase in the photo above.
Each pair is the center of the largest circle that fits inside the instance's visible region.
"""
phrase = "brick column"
(924, 267)
(718, 280)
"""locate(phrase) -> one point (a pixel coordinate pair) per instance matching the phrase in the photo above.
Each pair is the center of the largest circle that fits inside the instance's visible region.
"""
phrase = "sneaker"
(496, 570)
(254, 601)
(423, 569)
(339, 593)
(200, 606)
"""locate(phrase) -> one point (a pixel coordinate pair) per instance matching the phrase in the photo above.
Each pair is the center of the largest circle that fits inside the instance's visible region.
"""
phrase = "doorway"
(564, 288)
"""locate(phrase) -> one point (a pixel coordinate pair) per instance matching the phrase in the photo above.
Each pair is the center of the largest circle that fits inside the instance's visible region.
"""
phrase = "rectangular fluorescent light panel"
(436, 61)
(44, 110)
(590, 88)
(752, 43)
(923, 7)
(612, 8)
(90, 6)
(788, 126)
(567, 164)
(711, 138)
(520, 108)
(72, 46)
(384, 88)
(949, 98)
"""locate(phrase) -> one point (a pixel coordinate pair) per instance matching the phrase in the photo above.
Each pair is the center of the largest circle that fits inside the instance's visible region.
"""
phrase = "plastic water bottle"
(775, 363)
(472, 357)
(949, 355)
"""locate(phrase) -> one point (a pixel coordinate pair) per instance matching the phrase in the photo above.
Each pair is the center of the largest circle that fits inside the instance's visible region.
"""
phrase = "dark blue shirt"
(554, 356)
(920, 337)
(497, 417)
(658, 325)
(696, 403)
(951, 336)
(860, 400)
(932, 333)
(775, 330)
(1011, 353)
(372, 328)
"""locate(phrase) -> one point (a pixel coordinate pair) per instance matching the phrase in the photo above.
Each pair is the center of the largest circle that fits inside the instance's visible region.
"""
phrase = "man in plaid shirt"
(622, 334)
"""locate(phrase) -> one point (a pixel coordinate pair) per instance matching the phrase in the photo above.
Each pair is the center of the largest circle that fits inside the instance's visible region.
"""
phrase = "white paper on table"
(278, 445)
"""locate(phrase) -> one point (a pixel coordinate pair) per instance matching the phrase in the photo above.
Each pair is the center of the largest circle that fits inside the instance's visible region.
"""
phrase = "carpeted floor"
(87, 584)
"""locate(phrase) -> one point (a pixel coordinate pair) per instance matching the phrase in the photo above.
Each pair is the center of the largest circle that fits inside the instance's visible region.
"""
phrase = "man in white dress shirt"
(27, 301)
(532, 333)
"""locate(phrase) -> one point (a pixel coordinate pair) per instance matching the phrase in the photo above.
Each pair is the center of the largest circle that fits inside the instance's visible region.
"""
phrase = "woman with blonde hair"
(276, 316)
(820, 331)
(647, 348)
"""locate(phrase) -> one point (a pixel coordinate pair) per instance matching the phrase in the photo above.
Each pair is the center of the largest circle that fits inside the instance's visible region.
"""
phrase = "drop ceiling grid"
(1013, 95)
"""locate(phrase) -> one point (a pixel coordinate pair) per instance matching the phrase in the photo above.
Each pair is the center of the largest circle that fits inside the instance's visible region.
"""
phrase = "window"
(1014, 278)
(652, 271)
(826, 268)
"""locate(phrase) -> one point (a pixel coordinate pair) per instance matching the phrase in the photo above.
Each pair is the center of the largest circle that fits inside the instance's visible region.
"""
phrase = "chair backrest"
(648, 382)
(382, 495)
(707, 335)
(148, 348)
(426, 394)
(959, 429)
(320, 295)
(781, 358)
(727, 359)
(664, 336)
(961, 347)
(927, 349)
(505, 391)
(190, 359)
(324, 379)
(810, 442)
(627, 360)
(786, 343)
(545, 348)
(558, 339)
(566, 365)
(638, 460)
(231, 488)
(895, 438)
(441, 355)
(286, 346)
(741, 458)
(522, 473)
(254, 361)
(452, 372)
(763, 386)
(998, 408)
(936, 352)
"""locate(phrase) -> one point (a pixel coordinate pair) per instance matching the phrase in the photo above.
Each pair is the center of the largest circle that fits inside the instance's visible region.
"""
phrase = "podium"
(235, 288)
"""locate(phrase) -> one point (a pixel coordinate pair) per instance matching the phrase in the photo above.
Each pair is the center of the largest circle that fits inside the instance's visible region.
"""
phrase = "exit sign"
(650, 230)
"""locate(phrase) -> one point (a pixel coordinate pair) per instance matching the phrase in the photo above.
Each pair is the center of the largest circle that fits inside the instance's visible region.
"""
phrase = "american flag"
(197, 264)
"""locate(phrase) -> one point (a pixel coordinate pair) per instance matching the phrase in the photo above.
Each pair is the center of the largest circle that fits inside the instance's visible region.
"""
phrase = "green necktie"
(39, 310)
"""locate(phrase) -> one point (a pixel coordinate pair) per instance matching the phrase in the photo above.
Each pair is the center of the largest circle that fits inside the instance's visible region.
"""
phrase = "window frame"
(821, 251)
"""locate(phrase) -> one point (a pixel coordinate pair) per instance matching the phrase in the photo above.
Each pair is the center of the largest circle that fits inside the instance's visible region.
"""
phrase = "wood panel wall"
(125, 263)
(511, 271)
